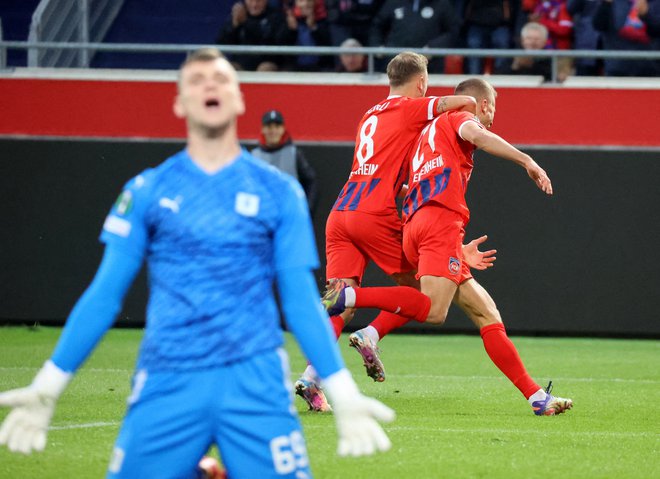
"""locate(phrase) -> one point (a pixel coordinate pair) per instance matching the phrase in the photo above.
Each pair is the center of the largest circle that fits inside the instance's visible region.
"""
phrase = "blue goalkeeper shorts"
(245, 408)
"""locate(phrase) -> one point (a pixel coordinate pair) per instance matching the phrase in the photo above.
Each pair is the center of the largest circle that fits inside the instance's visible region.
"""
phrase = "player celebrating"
(216, 228)
(435, 215)
(364, 223)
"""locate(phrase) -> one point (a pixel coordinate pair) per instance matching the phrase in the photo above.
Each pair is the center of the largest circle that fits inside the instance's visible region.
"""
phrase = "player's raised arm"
(456, 102)
(498, 146)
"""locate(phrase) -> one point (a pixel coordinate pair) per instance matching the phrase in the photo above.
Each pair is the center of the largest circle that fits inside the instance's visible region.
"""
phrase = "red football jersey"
(380, 162)
(441, 166)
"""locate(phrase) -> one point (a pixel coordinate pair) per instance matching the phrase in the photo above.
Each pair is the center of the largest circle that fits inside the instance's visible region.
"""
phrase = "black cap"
(272, 116)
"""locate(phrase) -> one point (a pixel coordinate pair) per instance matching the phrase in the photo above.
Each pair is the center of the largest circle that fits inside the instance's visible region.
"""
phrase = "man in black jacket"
(254, 22)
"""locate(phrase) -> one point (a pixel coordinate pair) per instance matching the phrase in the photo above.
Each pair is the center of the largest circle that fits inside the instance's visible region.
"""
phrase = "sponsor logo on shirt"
(246, 204)
(171, 204)
(116, 225)
(124, 203)
(436, 162)
(366, 169)
(454, 265)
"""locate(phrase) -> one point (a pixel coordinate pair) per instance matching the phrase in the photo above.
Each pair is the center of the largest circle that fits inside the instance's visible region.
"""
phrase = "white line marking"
(83, 426)
(530, 432)
(394, 376)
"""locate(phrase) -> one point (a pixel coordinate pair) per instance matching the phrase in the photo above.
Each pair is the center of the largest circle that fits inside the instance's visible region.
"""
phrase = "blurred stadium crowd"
(483, 24)
(608, 25)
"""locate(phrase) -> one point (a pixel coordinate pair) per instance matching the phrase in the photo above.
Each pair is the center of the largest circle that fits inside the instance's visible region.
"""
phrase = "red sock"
(337, 324)
(402, 300)
(386, 322)
(505, 356)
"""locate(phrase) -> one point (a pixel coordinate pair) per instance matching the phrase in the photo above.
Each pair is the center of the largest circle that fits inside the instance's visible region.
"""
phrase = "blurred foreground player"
(216, 228)
(435, 214)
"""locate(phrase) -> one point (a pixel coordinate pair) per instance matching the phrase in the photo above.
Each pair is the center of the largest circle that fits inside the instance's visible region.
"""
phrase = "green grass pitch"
(458, 416)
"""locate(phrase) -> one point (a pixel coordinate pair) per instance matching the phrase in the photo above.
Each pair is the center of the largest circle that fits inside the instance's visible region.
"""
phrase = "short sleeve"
(458, 119)
(422, 110)
(295, 245)
(125, 227)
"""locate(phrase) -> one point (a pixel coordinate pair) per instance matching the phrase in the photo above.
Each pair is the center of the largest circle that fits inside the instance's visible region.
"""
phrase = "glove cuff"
(340, 387)
(51, 380)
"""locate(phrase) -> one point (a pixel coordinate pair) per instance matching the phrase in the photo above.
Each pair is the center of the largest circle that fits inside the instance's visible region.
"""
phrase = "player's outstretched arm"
(356, 416)
(498, 146)
(456, 102)
(25, 427)
(478, 259)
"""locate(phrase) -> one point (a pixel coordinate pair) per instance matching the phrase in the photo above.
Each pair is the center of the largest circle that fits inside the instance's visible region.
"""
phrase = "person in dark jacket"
(629, 25)
(254, 22)
(488, 24)
(309, 30)
(416, 24)
(586, 36)
(276, 148)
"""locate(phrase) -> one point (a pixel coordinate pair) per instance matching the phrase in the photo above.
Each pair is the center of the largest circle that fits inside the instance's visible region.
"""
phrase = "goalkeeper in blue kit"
(216, 228)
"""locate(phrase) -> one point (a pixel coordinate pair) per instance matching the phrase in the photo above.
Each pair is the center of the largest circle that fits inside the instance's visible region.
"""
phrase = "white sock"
(310, 374)
(371, 333)
(539, 395)
(349, 293)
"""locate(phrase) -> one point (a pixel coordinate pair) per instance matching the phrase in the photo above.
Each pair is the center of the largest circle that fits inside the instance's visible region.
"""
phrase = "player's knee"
(437, 316)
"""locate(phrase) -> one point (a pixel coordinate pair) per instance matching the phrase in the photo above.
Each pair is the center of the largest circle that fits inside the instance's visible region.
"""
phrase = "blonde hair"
(208, 54)
(476, 87)
(405, 66)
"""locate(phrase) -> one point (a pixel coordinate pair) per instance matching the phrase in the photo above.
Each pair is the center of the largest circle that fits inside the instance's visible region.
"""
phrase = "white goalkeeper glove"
(356, 417)
(26, 426)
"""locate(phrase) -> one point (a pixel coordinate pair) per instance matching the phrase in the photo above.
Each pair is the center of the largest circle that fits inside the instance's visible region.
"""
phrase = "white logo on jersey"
(119, 226)
(246, 204)
(116, 460)
(174, 205)
(398, 13)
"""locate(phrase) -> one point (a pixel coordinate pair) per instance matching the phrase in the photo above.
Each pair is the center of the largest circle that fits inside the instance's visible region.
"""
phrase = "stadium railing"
(371, 52)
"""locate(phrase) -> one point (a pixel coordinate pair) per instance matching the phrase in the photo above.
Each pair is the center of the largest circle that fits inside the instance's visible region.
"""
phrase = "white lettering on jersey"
(428, 166)
(367, 169)
(419, 159)
(116, 225)
(171, 204)
(246, 204)
(378, 107)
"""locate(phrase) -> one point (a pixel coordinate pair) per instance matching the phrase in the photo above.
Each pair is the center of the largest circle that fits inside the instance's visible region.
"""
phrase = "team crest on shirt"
(124, 203)
(246, 204)
(454, 265)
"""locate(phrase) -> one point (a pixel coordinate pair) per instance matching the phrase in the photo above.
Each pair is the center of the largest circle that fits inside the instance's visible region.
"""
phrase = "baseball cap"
(272, 116)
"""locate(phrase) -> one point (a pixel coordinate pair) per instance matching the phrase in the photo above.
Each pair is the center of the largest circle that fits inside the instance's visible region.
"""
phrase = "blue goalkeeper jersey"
(212, 244)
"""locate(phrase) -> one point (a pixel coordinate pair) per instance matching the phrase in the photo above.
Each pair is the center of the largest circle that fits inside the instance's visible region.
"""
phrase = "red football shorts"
(432, 241)
(352, 238)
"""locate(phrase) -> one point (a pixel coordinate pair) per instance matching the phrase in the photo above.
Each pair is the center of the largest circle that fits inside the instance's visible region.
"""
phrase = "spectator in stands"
(416, 24)
(276, 148)
(254, 22)
(629, 25)
(351, 19)
(488, 24)
(586, 36)
(533, 36)
(352, 62)
(554, 15)
(309, 30)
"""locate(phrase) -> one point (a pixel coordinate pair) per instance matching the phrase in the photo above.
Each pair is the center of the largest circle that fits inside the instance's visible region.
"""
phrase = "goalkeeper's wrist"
(340, 387)
(51, 380)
